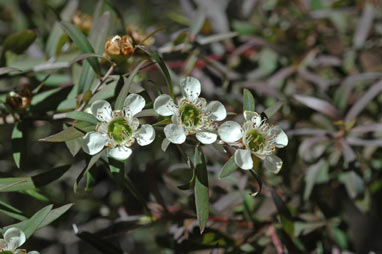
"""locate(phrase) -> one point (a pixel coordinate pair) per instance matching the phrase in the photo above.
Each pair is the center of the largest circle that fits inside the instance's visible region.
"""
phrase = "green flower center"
(254, 140)
(190, 115)
(119, 130)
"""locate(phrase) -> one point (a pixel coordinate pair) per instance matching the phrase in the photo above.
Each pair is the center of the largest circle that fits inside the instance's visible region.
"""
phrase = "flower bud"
(19, 100)
(82, 22)
(139, 36)
(118, 48)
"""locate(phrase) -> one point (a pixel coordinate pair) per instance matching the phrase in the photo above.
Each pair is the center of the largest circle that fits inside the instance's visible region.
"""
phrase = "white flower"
(191, 115)
(254, 137)
(118, 129)
(14, 238)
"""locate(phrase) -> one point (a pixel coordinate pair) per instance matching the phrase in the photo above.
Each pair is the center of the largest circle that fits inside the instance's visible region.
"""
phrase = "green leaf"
(55, 214)
(259, 182)
(312, 175)
(64, 135)
(269, 112)
(48, 218)
(201, 189)
(6, 70)
(87, 78)
(87, 56)
(99, 30)
(126, 86)
(10, 207)
(16, 184)
(33, 224)
(100, 244)
(228, 168)
(249, 101)
(91, 163)
(55, 40)
(20, 41)
(353, 183)
(285, 215)
(82, 116)
(49, 176)
(40, 97)
(197, 23)
(82, 43)
(14, 215)
(17, 146)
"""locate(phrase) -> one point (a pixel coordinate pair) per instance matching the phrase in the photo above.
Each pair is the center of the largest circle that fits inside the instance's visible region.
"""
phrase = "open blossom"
(254, 137)
(191, 115)
(118, 129)
(14, 238)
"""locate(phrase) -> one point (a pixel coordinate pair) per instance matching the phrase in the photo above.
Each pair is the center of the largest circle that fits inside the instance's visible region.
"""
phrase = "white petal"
(243, 159)
(217, 111)
(206, 137)
(190, 88)
(175, 134)
(14, 237)
(102, 110)
(230, 131)
(3, 244)
(33, 252)
(164, 105)
(120, 152)
(93, 142)
(273, 163)
(145, 135)
(253, 117)
(134, 103)
(281, 139)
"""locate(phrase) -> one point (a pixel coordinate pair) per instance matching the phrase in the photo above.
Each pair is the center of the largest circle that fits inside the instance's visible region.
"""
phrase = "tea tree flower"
(13, 238)
(255, 137)
(118, 129)
(191, 115)
(118, 48)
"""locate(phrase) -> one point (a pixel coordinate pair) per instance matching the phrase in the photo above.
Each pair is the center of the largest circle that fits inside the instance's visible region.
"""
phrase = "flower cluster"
(190, 115)
(14, 238)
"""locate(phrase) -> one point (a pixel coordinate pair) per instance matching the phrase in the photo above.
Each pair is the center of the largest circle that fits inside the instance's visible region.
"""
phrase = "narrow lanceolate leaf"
(82, 43)
(319, 105)
(82, 116)
(86, 56)
(33, 224)
(20, 41)
(201, 189)
(285, 215)
(162, 66)
(64, 135)
(126, 86)
(90, 164)
(249, 101)
(357, 108)
(228, 168)
(197, 24)
(6, 70)
(258, 180)
(13, 215)
(17, 147)
(99, 32)
(49, 176)
(52, 215)
(16, 184)
(269, 112)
